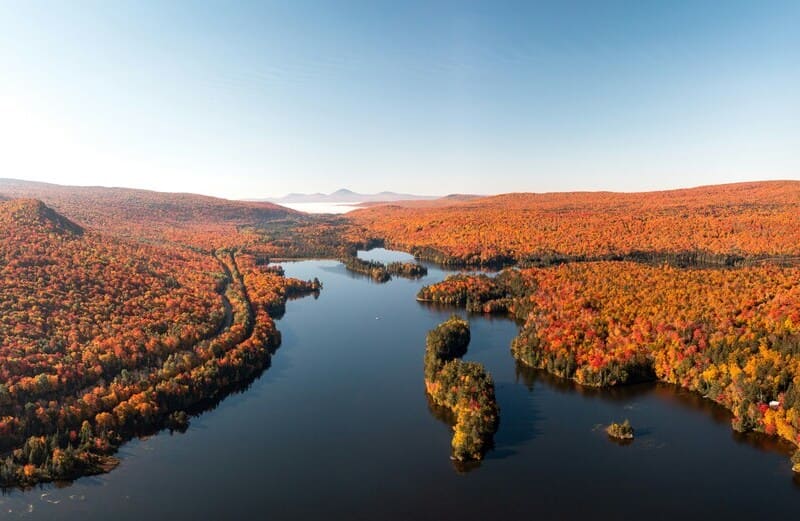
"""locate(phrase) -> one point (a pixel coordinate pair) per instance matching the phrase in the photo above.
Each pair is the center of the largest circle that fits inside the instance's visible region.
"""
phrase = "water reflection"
(446, 416)
(623, 393)
(667, 394)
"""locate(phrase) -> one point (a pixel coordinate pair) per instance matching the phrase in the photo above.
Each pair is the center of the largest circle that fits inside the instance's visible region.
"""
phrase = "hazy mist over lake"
(323, 207)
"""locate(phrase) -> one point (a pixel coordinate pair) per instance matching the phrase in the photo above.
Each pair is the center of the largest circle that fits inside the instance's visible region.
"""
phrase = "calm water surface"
(339, 428)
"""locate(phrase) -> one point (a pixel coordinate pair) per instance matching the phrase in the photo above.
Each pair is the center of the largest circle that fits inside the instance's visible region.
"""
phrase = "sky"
(258, 99)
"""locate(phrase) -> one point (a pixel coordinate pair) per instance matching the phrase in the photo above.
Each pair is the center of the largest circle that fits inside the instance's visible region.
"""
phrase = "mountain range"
(346, 196)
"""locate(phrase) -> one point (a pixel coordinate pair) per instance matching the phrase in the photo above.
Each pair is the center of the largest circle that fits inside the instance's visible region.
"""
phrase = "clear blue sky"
(243, 99)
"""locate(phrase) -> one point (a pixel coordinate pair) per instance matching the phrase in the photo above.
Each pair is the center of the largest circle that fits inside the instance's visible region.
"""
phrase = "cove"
(339, 428)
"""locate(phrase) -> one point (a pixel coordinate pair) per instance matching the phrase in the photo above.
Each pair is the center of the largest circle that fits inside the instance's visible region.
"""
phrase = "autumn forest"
(125, 312)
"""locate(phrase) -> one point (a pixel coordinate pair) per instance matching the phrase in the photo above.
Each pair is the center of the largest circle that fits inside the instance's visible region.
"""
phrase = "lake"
(339, 428)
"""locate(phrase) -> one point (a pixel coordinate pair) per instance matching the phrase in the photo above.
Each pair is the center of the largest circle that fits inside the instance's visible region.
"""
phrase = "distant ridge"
(91, 205)
(462, 197)
(719, 225)
(178, 218)
(343, 195)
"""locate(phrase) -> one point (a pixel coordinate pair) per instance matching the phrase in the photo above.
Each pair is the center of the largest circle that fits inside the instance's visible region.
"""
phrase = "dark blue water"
(339, 428)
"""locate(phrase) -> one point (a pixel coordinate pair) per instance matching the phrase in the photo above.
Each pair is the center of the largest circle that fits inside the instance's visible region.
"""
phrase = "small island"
(373, 269)
(409, 270)
(465, 388)
(620, 431)
(380, 272)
